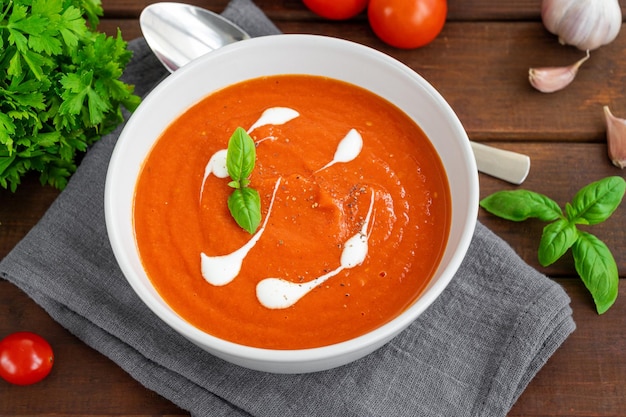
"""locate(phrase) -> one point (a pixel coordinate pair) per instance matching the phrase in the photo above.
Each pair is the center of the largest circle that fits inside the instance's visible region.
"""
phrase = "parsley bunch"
(59, 86)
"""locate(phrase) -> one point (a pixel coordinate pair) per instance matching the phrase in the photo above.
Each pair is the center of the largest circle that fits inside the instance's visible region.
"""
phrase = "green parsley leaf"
(59, 86)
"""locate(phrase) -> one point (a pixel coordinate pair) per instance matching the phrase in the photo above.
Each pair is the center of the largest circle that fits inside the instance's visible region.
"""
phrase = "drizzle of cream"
(278, 293)
(216, 166)
(222, 269)
(349, 148)
(272, 116)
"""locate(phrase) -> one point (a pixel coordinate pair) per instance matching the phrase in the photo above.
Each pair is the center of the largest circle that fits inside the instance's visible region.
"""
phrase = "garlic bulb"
(551, 79)
(585, 24)
(616, 138)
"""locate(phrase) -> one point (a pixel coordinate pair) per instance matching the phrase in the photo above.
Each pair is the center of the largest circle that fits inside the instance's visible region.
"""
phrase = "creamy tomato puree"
(360, 212)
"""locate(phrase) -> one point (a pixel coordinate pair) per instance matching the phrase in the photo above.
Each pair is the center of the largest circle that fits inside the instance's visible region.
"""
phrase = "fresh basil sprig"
(244, 203)
(593, 204)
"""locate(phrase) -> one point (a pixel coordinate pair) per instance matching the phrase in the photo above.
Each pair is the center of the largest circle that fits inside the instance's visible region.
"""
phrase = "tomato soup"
(355, 209)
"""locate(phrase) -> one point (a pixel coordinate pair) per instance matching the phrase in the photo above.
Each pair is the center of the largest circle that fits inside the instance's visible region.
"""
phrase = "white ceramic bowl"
(291, 54)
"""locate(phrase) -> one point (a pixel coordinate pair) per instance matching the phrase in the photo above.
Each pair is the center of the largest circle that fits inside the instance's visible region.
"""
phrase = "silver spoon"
(178, 33)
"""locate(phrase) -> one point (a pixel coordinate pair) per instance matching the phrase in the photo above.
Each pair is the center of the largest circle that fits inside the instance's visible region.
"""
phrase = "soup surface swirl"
(355, 214)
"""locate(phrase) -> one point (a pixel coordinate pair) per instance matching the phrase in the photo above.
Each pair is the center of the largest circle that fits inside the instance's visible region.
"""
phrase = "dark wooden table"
(479, 63)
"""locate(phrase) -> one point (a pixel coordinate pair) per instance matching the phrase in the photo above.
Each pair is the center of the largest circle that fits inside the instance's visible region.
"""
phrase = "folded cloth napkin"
(470, 354)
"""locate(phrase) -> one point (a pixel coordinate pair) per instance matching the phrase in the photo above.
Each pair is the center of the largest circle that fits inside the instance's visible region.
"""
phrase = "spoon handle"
(505, 165)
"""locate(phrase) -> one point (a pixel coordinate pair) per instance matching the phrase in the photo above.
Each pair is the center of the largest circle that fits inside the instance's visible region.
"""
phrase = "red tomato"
(407, 24)
(25, 358)
(336, 9)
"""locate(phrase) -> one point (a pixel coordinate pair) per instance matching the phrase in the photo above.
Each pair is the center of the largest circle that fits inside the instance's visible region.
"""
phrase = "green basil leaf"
(595, 202)
(572, 213)
(519, 205)
(597, 268)
(241, 155)
(245, 207)
(556, 239)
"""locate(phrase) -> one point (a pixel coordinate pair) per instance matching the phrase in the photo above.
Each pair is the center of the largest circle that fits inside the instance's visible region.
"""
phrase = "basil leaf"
(595, 202)
(240, 156)
(556, 239)
(245, 207)
(597, 268)
(519, 205)
(244, 203)
(572, 214)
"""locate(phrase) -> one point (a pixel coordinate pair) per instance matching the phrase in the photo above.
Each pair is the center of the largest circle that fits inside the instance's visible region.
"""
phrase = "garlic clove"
(586, 24)
(616, 138)
(551, 79)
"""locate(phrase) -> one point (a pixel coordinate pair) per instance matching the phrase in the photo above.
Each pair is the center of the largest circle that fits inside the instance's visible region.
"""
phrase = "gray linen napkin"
(471, 353)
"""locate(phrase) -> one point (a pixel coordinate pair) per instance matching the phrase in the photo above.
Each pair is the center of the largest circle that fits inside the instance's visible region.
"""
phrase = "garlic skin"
(551, 79)
(616, 138)
(585, 24)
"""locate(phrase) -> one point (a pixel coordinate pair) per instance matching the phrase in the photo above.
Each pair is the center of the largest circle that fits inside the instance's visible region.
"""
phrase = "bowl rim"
(378, 336)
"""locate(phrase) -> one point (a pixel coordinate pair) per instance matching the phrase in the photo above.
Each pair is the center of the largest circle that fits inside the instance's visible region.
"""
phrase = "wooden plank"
(482, 70)
(458, 10)
(277, 9)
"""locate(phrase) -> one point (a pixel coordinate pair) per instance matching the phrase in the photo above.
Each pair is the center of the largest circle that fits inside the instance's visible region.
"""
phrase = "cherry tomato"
(407, 24)
(25, 358)
(336, 9)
